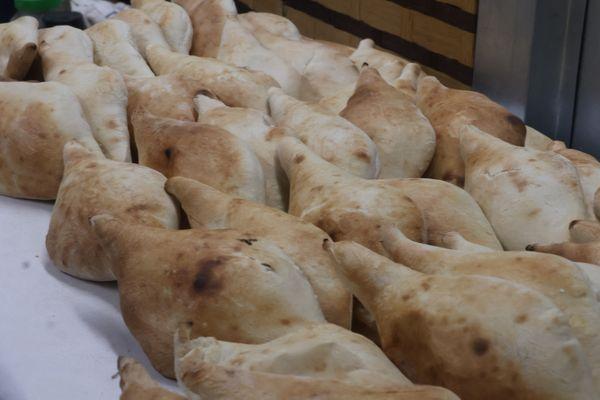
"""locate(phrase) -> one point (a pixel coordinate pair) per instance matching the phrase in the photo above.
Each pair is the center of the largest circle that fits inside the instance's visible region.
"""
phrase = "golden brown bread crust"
(404, 137)
(18, 47)
(222, 283)
(555, 277)
(64, 47)
(259, 132)
(205, 153)
(449, 110)
(94, 185)
(115, 47)
(208, 19)
(330, 136)
(144, 30)
(320, 351)
(303, 242)
(136, 384)
(527, 195)
(588, 169)
(447, 208)
(209, 381)
(167, 96)
(441, 330)
(234, 86)
(37, 120)
(343, 205)
(173, 20)
(579, 252)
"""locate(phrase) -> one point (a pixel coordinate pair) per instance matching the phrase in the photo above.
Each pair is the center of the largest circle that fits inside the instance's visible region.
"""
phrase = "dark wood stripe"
(444, 12)
(385, 39)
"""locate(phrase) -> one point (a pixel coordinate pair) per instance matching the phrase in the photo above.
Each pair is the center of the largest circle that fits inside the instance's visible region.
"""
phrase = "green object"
(36, 5)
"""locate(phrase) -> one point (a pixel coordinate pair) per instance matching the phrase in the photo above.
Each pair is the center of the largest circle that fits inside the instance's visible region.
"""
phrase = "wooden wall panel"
(318, 29)
(423, 30)
(272, 6)
(442, 38)
(439, 34)
(347, 7)
(387, 16)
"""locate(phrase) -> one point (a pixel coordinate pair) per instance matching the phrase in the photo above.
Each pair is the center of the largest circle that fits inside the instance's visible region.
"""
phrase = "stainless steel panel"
(527, 58)
(502, 51)
(554, 66)
(586, 132)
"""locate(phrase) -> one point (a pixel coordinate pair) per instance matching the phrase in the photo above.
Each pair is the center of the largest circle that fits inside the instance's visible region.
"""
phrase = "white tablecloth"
(59, 336)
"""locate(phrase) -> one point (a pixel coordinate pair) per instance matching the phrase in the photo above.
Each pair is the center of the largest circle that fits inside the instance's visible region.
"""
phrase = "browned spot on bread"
(285, 321)
(248, 241)
(480, 346)
(112, 124)
(521, 318)
(62, 71)
(520, 182)
(274, 134)
(406, 297)
(425, 286)
(574, 184)
(299, 158)
(534, 212)
(362, 154)
(206, 281)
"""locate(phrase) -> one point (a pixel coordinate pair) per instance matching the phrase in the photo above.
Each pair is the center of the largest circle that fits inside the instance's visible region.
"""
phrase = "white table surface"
(59, 336)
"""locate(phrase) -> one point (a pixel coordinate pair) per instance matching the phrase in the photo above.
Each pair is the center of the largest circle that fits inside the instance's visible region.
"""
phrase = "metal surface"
(502, 51)
(586, 131)
(527, 58)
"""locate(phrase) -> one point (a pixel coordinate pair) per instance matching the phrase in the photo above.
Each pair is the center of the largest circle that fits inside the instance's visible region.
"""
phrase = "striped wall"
(439, 34)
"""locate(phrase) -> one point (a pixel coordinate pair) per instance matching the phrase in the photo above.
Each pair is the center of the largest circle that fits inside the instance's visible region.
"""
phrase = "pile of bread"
(300, 167)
